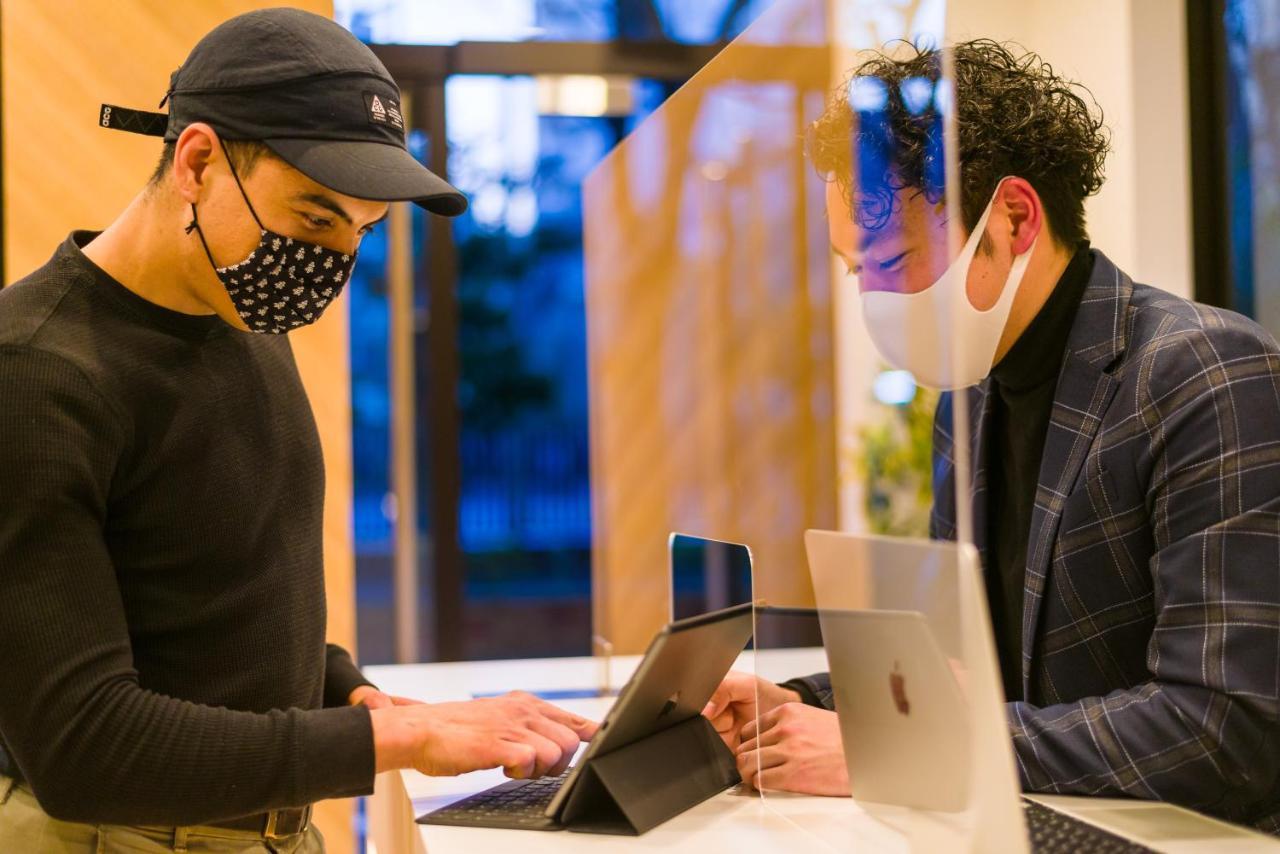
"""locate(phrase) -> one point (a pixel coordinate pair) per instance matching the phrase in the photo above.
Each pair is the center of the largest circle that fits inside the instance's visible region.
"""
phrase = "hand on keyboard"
(523, 735)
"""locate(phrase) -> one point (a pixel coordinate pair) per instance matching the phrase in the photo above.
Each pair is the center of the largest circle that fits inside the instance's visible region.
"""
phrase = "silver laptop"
(896, 687)
(921, 709)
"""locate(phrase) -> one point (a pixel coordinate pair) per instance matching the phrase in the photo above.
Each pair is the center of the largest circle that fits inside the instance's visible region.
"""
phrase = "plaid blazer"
(1151, 614)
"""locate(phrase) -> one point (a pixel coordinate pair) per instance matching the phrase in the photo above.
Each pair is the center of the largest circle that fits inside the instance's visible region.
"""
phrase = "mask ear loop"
(243, 194)
(195, 224)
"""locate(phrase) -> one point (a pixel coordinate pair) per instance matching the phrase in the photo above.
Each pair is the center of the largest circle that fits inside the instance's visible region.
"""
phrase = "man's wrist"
(392, 743)
(798, 691)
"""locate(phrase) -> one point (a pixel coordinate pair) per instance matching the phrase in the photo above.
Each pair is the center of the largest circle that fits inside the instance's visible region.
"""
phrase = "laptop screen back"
(707, 575)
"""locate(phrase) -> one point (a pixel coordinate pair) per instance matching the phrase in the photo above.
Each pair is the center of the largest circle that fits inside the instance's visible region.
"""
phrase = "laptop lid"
(949, 645)
(707, 575)
(903, 721)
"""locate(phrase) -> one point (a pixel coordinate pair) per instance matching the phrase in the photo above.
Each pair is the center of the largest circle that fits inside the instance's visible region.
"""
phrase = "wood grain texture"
(710, 331)
(61, 60)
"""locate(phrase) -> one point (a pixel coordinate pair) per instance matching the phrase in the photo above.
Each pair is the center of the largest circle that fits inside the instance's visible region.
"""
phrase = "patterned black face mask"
(284, 283)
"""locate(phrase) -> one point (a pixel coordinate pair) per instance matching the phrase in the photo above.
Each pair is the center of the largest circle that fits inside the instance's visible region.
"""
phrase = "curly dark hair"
(1015, 116)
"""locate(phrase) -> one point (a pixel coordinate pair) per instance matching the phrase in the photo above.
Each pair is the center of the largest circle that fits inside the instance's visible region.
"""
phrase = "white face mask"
(937, 334)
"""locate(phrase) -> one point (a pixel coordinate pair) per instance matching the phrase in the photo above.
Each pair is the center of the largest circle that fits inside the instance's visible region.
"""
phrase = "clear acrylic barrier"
(879, 147)
(710, 323)
(733, 391)
(737, 364)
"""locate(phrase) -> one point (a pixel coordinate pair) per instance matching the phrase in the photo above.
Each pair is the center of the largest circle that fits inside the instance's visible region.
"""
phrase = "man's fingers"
(762, 757)
(518, 759)
(741, 688)
(752, 728)
(752, 764)
(541, 755)
(721, 699)
(376, 700)
(748, 773)
(769, 738)
(563, 737)
(737, 687)
(777, 778)
(405, 701)
(583, 727)
(548, 752)
(725, 728)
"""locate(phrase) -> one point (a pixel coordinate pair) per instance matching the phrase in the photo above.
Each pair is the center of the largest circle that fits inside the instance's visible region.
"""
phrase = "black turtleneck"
(1022, 392)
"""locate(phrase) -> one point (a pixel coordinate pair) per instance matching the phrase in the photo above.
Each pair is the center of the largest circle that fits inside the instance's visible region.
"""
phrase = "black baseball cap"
(312, 93)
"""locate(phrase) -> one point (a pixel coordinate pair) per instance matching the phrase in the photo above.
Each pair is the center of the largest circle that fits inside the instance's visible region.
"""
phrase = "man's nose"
(346, 242)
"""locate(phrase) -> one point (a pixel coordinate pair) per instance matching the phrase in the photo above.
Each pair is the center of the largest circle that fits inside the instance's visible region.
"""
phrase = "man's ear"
(1025, 213)
(195, 149)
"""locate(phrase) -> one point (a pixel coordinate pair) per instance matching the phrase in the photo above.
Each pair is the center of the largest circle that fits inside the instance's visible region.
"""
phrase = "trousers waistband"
(274, 824)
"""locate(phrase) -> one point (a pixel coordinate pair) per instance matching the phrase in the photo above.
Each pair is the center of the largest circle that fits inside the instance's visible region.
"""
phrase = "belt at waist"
(272, 825)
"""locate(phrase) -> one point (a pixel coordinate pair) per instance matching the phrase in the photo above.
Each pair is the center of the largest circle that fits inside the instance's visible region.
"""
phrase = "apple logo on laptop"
(898, 688)
(670, 706)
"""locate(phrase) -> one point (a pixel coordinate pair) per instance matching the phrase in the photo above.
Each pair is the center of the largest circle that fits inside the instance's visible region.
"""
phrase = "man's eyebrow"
(330, 205)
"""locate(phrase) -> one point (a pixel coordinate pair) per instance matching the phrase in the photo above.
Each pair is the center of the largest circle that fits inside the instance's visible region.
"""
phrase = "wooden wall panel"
(710, 330)
(61, 59)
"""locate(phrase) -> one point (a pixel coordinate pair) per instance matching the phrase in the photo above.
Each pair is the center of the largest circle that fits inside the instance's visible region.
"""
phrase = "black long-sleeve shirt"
(162, 614)
(1022, 391)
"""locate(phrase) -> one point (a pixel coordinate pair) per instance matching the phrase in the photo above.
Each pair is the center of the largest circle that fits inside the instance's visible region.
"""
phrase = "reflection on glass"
(453, 21)
(710, 326)
(732, 370)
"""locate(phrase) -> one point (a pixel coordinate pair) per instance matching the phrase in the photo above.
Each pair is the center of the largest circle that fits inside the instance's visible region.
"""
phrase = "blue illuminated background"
(525, 506)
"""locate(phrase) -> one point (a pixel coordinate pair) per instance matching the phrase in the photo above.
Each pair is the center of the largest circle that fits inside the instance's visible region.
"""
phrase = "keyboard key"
(1053, 832)
(520, 804)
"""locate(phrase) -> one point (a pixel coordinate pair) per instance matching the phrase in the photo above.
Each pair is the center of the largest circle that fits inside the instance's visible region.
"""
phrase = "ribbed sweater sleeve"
(94, 745)
(341, 676)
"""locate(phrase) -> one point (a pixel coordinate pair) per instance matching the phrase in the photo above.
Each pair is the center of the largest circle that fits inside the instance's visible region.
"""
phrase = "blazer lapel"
(1085, 389)
(980, 419)
(946, 492)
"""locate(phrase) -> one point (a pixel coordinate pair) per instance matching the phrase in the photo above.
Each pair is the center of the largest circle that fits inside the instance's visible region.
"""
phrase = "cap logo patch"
(384, 110)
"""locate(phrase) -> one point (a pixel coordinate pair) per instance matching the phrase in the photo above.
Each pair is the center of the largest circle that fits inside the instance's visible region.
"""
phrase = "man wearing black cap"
(164, 677)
